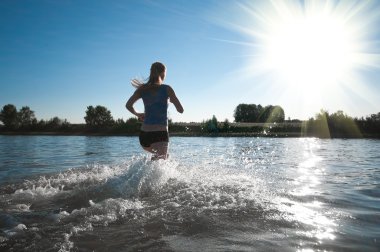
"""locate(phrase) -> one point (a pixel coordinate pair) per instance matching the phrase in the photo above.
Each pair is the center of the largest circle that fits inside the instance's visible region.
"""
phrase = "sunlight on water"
(308, 170)
(307, 183)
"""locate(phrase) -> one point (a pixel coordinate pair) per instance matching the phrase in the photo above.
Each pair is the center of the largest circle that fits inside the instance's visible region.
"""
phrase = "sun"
(312, 52)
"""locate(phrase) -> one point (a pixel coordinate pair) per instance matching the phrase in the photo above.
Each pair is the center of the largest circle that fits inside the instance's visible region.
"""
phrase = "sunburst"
(312, 50)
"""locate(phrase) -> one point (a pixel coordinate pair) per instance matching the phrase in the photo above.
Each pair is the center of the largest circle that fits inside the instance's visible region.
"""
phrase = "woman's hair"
(156, 70)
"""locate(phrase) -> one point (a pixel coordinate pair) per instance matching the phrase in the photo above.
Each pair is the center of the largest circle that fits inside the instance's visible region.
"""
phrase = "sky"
(58, 57)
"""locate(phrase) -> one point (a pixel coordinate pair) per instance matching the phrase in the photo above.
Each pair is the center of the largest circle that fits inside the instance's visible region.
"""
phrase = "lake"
(77, 193)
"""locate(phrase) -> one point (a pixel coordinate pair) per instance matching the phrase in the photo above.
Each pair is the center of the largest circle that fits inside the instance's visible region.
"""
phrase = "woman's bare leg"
(160, 150)
(148, 149)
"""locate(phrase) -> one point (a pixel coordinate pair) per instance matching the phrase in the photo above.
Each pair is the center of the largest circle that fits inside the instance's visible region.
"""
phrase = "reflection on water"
(302, 204)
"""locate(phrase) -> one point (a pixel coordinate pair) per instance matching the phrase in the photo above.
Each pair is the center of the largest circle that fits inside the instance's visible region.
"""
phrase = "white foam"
(16, 229)
(67, 245)
(66, 181)
(85, 227)
(146, 177)
(20, 227)
(210, 186)
(103, 212)
(20, 208)
(3, 239)
(137, 177)
(39, 191)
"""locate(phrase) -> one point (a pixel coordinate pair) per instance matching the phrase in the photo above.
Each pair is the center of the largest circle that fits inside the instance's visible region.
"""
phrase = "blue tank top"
(156, 104)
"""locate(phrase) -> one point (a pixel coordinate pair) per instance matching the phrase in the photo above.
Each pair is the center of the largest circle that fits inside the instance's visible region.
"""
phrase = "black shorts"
(148, 137)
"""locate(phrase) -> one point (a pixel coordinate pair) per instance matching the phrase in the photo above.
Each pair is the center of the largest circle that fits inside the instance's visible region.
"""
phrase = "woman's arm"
(129, 105)
(174, 100)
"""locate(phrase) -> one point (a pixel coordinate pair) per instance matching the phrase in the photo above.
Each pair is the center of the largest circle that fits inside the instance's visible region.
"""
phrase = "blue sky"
(58, 57)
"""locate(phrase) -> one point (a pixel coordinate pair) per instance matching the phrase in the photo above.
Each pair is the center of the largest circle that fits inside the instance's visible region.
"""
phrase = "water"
(213, 194)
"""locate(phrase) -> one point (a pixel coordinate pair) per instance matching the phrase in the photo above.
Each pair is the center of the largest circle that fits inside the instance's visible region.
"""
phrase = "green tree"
(98, 117)
(226, 126)
(56, 123)
(132, 121)
(26, 117)
(320, 125)
(265, 114)
(211, 125)
(119, 122)
(274, 114)
(343, 125)
(9, 117)
(370, 125)
(247, 112)
(257, 113)
(130, 126)
(337, 124)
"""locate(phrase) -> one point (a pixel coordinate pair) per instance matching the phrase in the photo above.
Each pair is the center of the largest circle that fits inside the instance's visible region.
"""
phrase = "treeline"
(250, 120)
(25, 120)
(323, 125)
(98, 119)
(340, 125)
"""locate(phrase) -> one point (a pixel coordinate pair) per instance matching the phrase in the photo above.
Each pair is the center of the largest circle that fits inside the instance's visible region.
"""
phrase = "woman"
(154, 136)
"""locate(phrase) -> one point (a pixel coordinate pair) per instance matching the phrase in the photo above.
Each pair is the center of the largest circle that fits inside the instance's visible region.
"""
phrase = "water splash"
(247, 192)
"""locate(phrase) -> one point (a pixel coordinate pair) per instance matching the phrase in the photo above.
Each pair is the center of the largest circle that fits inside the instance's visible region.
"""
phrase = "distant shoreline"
(275, 130)
(183, 134)
(249, 122)
(172, 134)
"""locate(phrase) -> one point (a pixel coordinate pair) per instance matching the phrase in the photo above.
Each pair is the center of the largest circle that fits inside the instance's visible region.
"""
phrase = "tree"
(226, 125)
(256, 113)
(9, 117)
(247, 112)
(98, 117)
(274, 114)
(374, 118)
(343, 125)
(26, 117)
(265, 114)
(132, 120)
(337, 124)
(371, 124)
(56, 123)
(210, 125)
(321, 124)
(119, 122)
